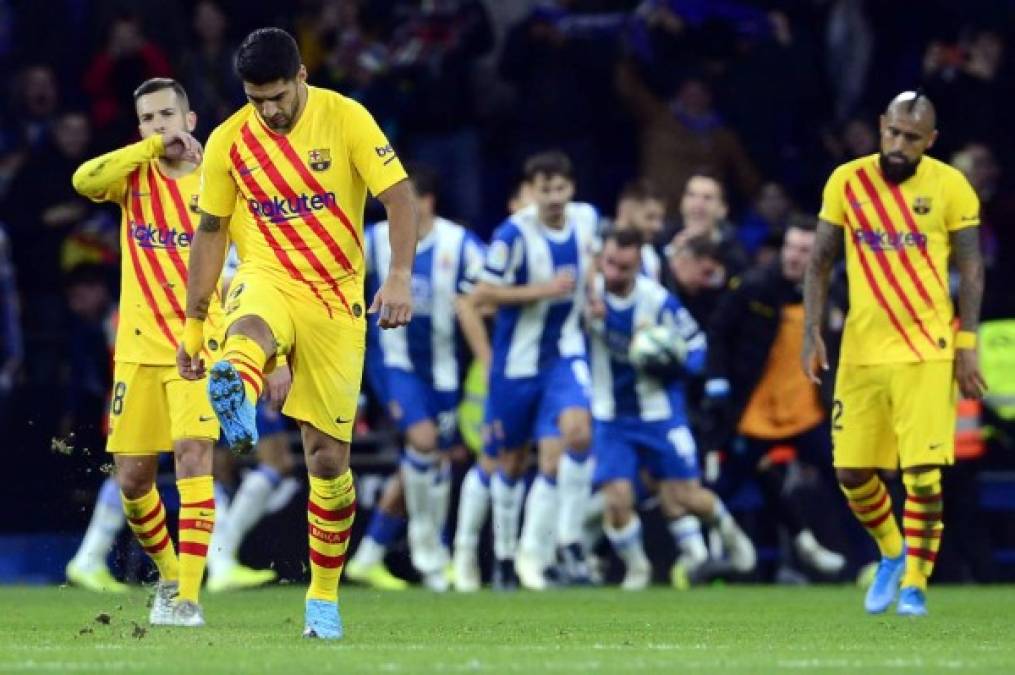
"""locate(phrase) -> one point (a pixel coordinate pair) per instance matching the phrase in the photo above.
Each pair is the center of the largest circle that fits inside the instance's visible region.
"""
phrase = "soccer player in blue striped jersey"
(538, 384)
(641, 418)
(424, 366)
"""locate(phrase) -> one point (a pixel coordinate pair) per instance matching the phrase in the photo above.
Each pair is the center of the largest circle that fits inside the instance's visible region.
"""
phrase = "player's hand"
(968, 375)
(394, 300)
(814, 358)
(561, 285)
(279, 382)
(190, 367)
(181, 146)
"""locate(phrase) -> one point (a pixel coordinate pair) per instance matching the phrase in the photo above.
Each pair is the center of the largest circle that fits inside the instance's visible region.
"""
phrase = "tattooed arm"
(207, 255)
(969, 262)
(827, 247)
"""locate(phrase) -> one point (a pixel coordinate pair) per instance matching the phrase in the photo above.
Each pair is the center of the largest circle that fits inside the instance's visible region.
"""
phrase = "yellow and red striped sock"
(147, 519)
(197, 519)
(872, 506)
(247, 357)
(330, 512)
(921, 521)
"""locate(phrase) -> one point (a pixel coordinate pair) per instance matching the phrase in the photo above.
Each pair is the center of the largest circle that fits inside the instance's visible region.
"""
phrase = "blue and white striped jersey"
(448, 260)
(527, 338)
(618, 389)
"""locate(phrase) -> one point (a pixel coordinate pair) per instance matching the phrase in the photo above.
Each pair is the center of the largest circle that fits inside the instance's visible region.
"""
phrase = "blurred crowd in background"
(764, 98)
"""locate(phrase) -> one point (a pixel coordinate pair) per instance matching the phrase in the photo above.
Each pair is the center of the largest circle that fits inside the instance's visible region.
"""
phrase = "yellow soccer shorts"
(325, 352)
(894, 415)
(152, 407)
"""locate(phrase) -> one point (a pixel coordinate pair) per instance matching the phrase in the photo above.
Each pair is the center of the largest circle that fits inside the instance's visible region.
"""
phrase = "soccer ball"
(655, 346)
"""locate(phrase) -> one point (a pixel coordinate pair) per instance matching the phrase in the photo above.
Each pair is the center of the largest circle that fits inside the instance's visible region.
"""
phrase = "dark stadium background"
(792, 88)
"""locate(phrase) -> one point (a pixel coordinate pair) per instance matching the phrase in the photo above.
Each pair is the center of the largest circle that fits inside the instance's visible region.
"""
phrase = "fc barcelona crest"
(320, 160)
(922, 205)
(193, 204)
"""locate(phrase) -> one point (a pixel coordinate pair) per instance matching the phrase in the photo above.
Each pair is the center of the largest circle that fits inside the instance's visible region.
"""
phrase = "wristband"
(965, 339)
(193, 336)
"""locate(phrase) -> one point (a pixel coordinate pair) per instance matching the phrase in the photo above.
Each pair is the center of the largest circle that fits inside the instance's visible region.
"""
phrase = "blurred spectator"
(849, 51)
(703, 211)
(762, 228)
(28, 121)
(559, 61)
(757, 389)
(435, 50)
(683, 135)
(696, 275)
(963, 81)
(128, 58)
(997, 225)
(207, 68)
(11, 347)
(42, 208)
(90, 374)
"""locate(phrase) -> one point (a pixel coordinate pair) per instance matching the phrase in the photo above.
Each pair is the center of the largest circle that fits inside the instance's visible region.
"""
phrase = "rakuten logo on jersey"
(279, 208)
(149, 236)
(889, 241)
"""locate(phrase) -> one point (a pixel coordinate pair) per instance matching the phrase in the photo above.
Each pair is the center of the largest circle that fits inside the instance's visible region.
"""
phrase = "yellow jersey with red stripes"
(159, 215)
(897, 248)
(297, 199)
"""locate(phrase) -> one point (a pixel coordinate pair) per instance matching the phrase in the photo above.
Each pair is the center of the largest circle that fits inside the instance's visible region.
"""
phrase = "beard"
(897, 172)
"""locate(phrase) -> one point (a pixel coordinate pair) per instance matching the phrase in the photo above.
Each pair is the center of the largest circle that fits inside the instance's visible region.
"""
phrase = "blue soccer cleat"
(323, 621)
(883, 589)
(237, 416)
(912, 602)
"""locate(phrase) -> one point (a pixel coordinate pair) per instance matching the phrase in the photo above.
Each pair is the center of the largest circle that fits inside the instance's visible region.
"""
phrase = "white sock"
(218, 561)
(249, 504)
(506, 495)
(539, 528)
(419, 472)
(627, 542)
(686, 531)
(592, 526)
(440, 497)
(723, 522)
(473, 506)
(368, 553)
(282, 495)
(107, 520)
(574, 485)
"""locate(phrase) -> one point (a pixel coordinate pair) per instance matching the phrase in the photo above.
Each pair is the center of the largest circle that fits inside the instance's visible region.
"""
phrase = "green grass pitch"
(731, 629)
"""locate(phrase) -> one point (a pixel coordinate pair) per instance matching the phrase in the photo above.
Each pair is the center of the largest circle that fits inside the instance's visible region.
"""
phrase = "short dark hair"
(641, 189)
(624, 237)
(802, 221)
(550, 163)
(155, 84)
(424, 178)
(707, 172)
(267, 55)
(700, 246)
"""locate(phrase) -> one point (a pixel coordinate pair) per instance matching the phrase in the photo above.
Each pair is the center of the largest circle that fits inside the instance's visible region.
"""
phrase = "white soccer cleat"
(531, 571)
(637, 577)
(742, 556)
(187, 614)
(161, 613)
(466, 567)
(816, 556)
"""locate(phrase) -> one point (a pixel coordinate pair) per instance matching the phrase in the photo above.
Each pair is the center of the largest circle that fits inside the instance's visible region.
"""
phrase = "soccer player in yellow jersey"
(153, 410)
(292, 170)
(902, 216)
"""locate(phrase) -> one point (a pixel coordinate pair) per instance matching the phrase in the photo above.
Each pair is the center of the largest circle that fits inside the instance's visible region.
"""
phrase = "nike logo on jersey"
(203, 418)
(134, 193)
(339, 420)
(935, 446)
(245, 171)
